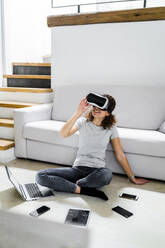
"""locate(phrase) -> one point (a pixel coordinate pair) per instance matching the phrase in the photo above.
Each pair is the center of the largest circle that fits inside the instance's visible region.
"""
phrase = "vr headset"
(98, 101)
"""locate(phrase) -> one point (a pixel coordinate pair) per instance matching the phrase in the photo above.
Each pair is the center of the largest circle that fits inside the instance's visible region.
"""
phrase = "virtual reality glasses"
(98, 101)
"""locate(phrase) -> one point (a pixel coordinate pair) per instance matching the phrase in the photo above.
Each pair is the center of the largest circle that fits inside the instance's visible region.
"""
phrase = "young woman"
(88, 172)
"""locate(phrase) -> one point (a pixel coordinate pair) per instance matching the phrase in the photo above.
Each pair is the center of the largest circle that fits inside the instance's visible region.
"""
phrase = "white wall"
(113, 53)
(27, 36)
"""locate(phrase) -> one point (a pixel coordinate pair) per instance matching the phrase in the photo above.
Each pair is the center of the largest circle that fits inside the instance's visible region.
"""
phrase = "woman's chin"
(95, 115)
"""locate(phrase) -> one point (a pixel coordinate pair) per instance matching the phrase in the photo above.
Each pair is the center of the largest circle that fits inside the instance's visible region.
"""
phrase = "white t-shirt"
(93, 141)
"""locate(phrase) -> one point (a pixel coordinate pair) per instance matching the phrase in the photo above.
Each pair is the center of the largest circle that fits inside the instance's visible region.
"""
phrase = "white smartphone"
(129, 196)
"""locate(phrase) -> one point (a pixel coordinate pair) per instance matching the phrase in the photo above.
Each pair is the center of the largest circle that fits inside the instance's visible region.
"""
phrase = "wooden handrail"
(133, 15)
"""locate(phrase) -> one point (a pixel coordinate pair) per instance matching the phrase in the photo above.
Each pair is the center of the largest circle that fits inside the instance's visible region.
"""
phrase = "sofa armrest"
(23, 116)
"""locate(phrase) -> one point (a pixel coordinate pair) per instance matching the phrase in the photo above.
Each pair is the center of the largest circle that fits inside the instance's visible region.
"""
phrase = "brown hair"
(109, 120)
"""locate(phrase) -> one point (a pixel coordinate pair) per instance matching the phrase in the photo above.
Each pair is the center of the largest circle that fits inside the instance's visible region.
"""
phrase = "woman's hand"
(139, 181)
(83, 106)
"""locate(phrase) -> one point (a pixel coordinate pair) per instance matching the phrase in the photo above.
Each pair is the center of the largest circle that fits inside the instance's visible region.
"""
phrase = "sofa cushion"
(144, 142)
(48, 132)
(136, 141)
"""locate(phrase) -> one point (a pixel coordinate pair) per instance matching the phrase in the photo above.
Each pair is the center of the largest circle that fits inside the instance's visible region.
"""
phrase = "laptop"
(29, 191)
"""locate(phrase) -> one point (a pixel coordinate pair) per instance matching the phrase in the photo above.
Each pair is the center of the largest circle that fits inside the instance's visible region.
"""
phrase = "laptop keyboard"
(33, 190)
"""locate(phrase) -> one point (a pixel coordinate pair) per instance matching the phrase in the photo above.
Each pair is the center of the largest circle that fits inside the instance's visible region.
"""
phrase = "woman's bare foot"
(78, 189)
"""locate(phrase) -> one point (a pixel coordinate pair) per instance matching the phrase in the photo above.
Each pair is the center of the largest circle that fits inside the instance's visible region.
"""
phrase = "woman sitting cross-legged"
(88, 173)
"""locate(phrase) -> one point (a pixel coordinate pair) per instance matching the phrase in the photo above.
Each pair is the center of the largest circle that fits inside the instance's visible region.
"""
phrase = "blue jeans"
(64, 179)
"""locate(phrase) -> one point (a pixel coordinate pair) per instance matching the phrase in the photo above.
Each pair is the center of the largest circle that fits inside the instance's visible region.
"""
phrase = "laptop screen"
(13, 180)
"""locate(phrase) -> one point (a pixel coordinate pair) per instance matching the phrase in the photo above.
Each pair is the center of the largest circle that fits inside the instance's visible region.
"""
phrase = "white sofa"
(125, 60)
(139, 111)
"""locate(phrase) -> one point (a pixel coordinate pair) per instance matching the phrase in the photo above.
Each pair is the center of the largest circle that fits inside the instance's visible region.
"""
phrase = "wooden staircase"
(20, 97)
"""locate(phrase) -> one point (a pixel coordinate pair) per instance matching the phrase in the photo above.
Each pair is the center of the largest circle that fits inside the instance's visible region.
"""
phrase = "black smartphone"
(77, 217)
(122, 211)
(129, 196)
(39, 211)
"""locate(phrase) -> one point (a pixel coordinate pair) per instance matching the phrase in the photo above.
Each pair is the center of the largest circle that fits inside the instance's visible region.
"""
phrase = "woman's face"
(99, 113)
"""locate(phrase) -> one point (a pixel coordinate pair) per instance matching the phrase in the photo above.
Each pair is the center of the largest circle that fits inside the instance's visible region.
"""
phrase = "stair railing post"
(78, 8)
(145, 2)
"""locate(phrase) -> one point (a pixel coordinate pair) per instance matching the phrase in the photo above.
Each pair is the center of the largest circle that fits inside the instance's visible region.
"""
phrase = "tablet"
(77, 217)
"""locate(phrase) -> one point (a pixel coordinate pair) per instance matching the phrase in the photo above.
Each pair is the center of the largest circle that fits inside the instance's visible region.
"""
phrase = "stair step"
(28, 81)
(6, 132)
(6, 122)
(28, 76)
(6, 144)
(21, 94)
(29, 90)
(10, 104)
(32, 68)
(6, 112)
(31, 64)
